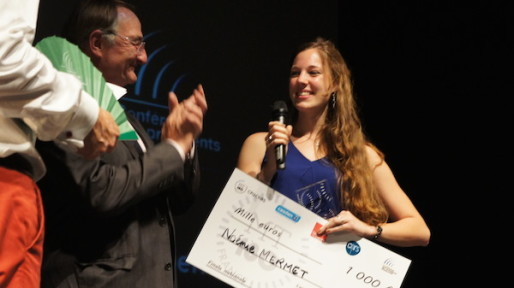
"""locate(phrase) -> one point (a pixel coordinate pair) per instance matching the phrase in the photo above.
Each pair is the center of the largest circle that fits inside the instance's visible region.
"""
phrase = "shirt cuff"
(82, 122)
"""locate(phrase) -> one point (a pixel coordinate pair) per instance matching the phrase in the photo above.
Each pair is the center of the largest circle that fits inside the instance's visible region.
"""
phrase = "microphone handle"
(280, 150)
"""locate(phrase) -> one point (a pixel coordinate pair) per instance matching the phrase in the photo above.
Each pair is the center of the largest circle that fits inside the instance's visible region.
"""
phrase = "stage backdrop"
(240, 52)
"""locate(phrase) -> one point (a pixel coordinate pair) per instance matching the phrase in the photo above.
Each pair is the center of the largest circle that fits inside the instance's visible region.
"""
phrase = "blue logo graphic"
(160, 72)
(288, 213)
(166, 70)
(353, 248)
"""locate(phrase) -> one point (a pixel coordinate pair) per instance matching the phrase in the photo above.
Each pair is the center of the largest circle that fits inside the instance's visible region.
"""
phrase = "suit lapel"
(140, 130)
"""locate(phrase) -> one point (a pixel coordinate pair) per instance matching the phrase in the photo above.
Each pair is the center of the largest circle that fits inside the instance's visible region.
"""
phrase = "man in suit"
(109, 221)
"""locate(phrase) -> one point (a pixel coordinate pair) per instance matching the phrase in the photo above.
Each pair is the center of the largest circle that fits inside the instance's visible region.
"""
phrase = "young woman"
(331, 167)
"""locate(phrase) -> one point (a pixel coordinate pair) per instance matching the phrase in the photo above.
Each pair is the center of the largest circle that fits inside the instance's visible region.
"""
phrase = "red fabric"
(21, 230)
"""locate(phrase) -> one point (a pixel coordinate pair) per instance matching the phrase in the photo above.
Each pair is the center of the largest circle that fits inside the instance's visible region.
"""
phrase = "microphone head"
(279, 109)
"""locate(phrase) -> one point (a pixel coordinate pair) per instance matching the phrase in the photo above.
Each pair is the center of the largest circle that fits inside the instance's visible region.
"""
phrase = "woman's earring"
(333, 100)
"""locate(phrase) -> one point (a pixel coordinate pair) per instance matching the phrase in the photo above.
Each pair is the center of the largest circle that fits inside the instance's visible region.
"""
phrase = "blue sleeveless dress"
(313, 184)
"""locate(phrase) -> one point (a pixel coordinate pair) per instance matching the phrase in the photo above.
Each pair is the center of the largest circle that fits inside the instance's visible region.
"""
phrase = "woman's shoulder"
(257, 136)
(375, 156)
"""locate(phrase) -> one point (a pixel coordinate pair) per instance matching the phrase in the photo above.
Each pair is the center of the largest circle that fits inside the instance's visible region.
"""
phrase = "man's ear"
(95, 42)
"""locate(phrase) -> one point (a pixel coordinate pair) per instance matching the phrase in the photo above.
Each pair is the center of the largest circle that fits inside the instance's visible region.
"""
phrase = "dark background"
(431, 83)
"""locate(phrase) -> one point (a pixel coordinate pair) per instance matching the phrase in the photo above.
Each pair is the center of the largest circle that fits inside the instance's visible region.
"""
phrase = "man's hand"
(102, 138)
(185, 120)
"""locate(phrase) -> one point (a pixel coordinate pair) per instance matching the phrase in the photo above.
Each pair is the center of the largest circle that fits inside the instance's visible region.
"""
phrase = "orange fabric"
(21, 230)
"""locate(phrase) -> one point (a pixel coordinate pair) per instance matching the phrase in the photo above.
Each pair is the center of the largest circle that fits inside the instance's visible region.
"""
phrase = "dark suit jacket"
(109, 221)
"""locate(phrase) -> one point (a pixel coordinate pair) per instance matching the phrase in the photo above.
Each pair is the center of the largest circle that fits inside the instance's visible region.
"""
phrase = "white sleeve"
(52, 103)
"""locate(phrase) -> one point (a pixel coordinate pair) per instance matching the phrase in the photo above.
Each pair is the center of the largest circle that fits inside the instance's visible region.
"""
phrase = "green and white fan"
(67, 57)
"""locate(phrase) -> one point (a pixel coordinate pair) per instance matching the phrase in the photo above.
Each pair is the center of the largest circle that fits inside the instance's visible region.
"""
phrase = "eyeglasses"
(138, 42)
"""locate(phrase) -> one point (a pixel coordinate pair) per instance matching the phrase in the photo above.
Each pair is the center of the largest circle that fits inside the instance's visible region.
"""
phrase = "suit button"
(167, 267)
(162, 221)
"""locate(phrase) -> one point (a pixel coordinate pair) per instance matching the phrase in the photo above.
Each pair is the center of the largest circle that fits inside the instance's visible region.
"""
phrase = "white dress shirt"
(50, 102)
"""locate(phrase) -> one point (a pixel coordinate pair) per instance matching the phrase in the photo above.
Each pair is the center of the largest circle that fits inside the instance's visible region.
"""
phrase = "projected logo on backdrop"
(162, 69)
(165, 70)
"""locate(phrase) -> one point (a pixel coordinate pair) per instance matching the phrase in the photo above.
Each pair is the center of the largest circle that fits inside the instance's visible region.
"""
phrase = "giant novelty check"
(257, 237)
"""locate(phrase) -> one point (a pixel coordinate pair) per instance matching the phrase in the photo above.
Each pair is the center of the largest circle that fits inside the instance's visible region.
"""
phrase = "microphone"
(279, 113)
